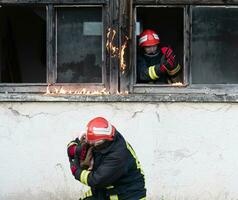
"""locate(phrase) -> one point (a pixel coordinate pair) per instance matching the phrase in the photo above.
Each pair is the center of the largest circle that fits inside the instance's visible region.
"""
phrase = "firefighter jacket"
(146, 72)
(116, 173)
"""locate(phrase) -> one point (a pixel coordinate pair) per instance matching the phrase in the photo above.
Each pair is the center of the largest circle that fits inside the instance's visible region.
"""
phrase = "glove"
(71, 148)
(83, 139)
(86, 163)
(75, 170)
(85, 147)
(75, 160)
(167, 62)
(83, 152)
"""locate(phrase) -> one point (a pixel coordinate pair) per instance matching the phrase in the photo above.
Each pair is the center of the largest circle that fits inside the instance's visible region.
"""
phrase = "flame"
(123, 93)
(109, 45)
(115, 51)
(121, 56)
(48, 90)
(177, 84)
(84, 91)
(51, 90)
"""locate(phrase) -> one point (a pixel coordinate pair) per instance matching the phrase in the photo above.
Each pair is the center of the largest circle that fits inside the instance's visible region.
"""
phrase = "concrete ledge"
(188, 97)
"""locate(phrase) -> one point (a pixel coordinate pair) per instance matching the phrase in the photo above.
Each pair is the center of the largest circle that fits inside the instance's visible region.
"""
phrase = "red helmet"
(99, 129)
(148, 38)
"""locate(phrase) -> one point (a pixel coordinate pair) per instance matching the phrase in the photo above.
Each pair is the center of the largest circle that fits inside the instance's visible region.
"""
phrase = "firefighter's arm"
(81, 162)
(147, 73)
(72, 147)
(110, 170)
(80, 155)
(142, 71)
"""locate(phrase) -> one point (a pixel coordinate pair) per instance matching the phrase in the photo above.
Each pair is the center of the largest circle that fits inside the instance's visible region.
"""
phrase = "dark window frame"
(109, 83)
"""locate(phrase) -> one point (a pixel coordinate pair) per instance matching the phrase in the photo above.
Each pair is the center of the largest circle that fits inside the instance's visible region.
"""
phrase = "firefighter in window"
(155, 64)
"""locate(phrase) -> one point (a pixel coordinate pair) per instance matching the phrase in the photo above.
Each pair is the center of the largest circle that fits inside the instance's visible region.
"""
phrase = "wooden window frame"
(78, 86)
(109, 69)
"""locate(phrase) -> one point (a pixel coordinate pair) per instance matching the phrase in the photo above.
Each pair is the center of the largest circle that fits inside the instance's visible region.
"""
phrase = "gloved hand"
(83, 139)
(71, 148)
(86, 163)
(75, 169)
(83, 153)
(80, 154)
(167, 62)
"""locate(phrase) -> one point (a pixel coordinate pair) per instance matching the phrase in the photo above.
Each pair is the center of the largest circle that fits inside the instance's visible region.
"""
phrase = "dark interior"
(22, 44)
(168, 22)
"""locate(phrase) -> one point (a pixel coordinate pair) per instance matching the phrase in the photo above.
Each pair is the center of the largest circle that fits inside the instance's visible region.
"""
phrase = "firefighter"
(155, 64)
(112, 171)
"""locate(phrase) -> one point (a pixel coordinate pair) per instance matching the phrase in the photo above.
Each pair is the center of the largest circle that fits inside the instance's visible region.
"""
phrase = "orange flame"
(84, 91)
(177, 84)
(115, 51)
(121, 56)
(109, 45)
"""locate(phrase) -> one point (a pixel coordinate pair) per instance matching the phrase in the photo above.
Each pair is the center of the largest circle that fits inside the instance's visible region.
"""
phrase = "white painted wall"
(188, 150)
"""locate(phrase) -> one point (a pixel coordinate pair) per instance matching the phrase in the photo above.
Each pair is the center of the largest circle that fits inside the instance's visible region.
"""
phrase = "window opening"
(22, 44)
(167, 23)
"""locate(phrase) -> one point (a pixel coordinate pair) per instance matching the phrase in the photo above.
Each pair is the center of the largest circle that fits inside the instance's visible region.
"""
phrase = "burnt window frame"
(109, 83)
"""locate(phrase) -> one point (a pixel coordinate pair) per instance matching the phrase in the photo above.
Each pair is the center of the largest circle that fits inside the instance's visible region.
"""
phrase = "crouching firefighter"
(105, 162)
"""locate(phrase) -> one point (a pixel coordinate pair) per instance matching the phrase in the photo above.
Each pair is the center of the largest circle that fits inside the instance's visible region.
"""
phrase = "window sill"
(179, 97)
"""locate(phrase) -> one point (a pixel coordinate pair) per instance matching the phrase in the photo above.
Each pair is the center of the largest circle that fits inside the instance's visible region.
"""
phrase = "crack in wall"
(136, 112)
(157, 115)
(17, 113)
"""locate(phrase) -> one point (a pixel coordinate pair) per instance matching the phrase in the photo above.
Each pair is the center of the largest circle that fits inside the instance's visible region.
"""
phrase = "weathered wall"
(187, 150)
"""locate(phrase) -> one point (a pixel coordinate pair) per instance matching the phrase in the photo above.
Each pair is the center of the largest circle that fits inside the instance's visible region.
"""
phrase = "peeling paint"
(176, 155)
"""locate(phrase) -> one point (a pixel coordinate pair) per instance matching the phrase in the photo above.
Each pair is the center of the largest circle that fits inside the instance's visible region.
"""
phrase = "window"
(53, 46)
(168, 22)
(214, 45)
(204, 39)
(79, 45)
(22, 44)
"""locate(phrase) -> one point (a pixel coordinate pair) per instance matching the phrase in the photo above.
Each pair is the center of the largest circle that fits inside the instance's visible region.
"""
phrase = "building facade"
(65, 62)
